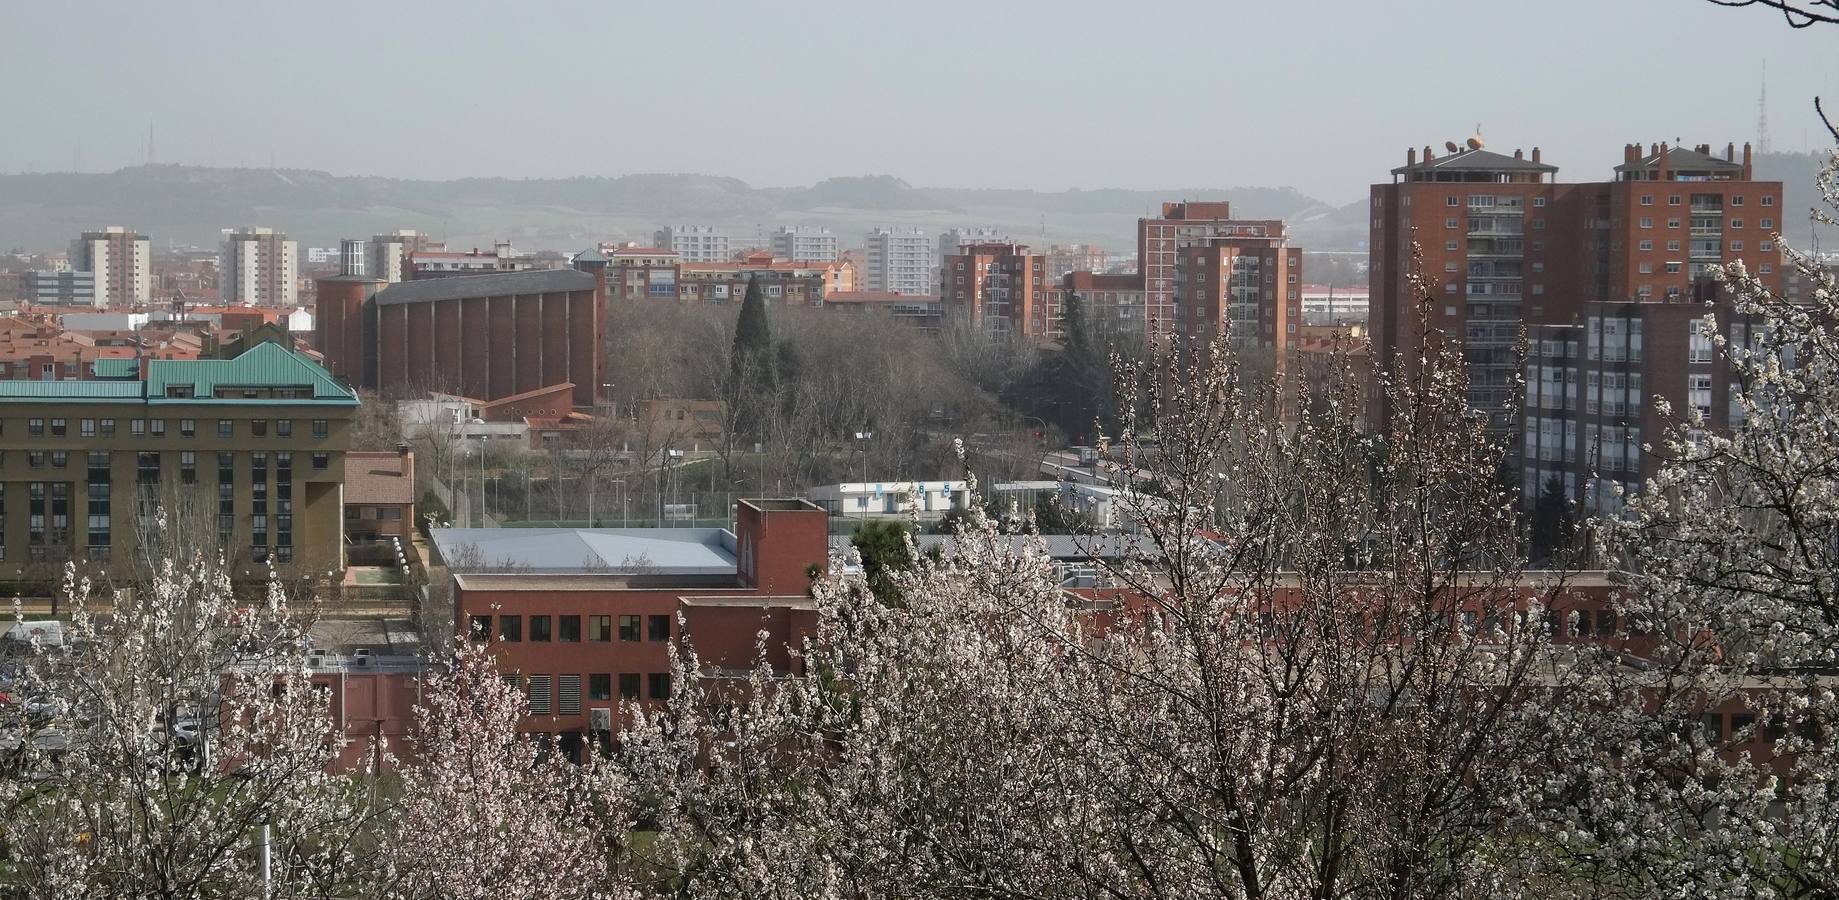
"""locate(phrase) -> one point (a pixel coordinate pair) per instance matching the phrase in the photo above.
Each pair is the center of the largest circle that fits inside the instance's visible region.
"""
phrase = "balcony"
(1483, 246)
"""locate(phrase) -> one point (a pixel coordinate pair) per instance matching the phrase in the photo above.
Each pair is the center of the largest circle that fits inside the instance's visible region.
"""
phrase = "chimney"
(1653, 149)
(1535, 157)
(1630, 154)
(1428, 156)
(1746, 161)
(1411, 156)
(1730, 152)
(1703, 148)
(1518, 153)
(1661, 169)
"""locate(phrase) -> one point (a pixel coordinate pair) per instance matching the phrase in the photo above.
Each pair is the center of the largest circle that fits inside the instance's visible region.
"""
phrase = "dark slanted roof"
(590, 255)
(458, 287)
(1475, 161)
(1682, 159)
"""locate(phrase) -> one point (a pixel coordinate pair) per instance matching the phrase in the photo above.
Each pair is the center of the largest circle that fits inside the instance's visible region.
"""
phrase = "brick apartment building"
(584, 618)
(249, 450)
(483, 336)
(1001, 288)
(1611, 276)
(1205, 235)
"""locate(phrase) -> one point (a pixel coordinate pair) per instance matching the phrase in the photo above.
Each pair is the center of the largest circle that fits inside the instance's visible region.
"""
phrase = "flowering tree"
(150, 748)
(484, 814)
(1314, 683)
(1715, 760)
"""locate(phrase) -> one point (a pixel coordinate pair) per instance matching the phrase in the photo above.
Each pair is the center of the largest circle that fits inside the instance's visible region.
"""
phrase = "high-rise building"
(1160, 242)
(122, 262)
(1610, 276)
(698, 243)
(386, 255)
(805, 243)
(899, 261)
(258, 266)
(1002, 289)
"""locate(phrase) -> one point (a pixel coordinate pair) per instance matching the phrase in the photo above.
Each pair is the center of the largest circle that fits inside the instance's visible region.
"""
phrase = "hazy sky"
(1324, 96)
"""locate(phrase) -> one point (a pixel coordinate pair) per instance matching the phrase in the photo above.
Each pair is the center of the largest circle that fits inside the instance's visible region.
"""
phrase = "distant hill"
(181, 205)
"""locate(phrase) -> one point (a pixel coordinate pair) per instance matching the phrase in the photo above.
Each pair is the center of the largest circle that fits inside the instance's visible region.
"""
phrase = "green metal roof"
(115, 367)
(266, 365)
(67, 391)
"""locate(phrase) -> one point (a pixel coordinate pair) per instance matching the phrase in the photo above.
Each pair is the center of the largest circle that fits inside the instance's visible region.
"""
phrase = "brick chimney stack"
(1411, 156)
(1535, 157)
(1746, 161)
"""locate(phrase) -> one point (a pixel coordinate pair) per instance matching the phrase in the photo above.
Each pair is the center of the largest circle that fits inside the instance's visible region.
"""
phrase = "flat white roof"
(612, 551)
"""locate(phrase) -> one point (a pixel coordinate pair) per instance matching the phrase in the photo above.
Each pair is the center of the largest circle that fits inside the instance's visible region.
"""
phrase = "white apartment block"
(122, 262)
(386, 255)
(698, 243)
(898, 261)
(805, 243)
(950, 241)
(258, 266)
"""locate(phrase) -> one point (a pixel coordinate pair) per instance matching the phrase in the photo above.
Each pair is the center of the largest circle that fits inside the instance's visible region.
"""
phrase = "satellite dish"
(1475, 143)
(1451, 147)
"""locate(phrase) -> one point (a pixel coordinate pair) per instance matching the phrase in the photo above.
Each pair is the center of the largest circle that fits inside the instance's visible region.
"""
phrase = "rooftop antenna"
(1762, 111)
(150, 156)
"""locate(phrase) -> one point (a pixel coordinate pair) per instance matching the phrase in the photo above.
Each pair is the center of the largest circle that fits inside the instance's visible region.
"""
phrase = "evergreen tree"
(883, 547)
(750, 364)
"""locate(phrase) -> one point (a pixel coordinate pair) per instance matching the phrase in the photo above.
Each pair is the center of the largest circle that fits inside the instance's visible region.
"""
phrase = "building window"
(1647, 245)
(1672, 199)
(1736, 200)
(628, 685)
(600, 628)
(137, 427)
(1736, 246)
(1672, 246)
(1538, 201)
(258, 427)
(320, 460)
(1699, 343)
(481, 629)
(321, 428)
(1698, 394)
(60, 459)
(1647, 268)
(1672, 223)
(1449, 246)
(1736, 223)
(539, 695)
(1647, 222)
(225, 428)
(511, 628)
(1449, 222)
(660, 628)
(600, 686)
(568, 628)
(539, 628)
(188, 427)
(147, 468)
(1647, 199)
(35, 459)
(156, 427)
(87, 428)
(628, 628)
(284, 428)
(1766, 222)
(1767, 200)
(57, 428)
(659, 688)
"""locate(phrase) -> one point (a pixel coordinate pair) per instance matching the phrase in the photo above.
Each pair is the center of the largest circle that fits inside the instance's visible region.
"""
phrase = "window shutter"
(539, 695)
(568, 695)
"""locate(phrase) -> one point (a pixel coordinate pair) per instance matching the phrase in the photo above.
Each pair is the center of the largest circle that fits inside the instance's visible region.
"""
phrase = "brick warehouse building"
(482, 336)
(1504, 244)
(585, 618)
